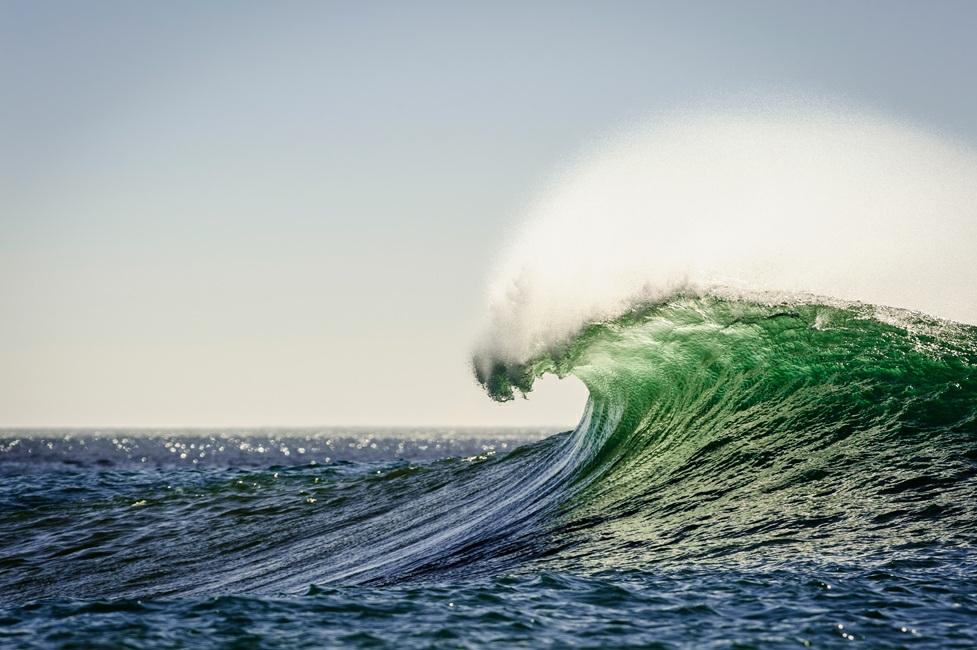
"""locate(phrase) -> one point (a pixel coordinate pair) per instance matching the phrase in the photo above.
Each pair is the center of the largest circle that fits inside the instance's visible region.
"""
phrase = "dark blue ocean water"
(407, 538)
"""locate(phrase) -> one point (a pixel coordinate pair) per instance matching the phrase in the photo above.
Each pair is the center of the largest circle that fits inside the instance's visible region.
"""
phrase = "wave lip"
(769, 199)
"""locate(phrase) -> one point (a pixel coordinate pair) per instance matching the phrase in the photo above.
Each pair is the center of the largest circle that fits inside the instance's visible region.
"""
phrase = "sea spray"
(771, 199)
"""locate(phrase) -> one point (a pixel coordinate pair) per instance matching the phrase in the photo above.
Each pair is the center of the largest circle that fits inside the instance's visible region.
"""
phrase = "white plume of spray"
(824, 201)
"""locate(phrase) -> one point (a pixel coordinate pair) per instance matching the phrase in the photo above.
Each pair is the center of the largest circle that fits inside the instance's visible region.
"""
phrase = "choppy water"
(744, 475)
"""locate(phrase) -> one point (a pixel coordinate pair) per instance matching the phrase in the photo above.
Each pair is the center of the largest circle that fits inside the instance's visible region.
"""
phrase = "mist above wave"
(776, 200)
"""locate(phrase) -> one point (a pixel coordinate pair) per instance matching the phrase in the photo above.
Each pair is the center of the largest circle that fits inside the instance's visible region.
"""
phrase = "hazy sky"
(285, 213)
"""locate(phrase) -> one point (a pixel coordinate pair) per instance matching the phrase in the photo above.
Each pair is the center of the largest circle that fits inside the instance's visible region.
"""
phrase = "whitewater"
(772, 199)
(772, 310)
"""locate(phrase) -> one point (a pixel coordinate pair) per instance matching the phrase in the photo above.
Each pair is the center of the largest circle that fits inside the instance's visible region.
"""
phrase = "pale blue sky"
(284, 213)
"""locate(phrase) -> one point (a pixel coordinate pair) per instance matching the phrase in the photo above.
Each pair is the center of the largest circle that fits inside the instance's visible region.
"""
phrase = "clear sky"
(285, 213)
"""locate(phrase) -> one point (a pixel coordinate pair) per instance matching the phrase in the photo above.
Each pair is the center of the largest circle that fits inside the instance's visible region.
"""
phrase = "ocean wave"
(733, 430)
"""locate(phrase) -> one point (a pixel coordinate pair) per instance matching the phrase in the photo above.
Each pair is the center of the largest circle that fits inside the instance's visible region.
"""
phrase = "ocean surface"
(743, 475)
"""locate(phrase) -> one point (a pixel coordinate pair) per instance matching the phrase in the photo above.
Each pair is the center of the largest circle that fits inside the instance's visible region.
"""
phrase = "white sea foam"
(825, 201)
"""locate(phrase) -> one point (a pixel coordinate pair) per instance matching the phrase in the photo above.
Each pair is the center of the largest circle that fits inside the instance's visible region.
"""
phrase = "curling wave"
(744, 431)
(735, 291)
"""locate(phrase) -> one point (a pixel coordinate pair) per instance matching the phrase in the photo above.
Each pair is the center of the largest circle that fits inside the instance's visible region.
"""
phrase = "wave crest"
(776, 200)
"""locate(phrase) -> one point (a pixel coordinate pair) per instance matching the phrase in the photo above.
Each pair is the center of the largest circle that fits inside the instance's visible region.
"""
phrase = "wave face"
(718, 282)
(734, 431)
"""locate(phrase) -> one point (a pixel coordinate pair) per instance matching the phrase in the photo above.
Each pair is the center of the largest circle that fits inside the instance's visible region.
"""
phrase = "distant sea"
(420, 538)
